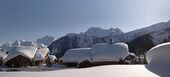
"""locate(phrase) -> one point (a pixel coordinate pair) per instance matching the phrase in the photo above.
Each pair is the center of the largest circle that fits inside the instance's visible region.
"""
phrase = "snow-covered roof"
(27, 51)
(3, 54)
(52, 58)
(77, 54)
(40, 54)
(159, 55)
(109, 52)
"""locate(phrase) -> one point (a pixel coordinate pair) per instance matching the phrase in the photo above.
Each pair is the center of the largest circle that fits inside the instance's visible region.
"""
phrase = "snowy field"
(99, 71)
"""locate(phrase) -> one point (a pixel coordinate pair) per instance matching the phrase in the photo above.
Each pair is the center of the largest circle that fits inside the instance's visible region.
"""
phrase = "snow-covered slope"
(155, 30)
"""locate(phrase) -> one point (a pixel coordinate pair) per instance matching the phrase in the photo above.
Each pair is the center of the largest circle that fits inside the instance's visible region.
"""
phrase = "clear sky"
(32, 19)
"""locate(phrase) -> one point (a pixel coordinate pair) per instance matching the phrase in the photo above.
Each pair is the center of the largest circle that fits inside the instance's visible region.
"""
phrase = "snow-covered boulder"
(77, 55)
(40, 54)
(159, 55)
(109, 52)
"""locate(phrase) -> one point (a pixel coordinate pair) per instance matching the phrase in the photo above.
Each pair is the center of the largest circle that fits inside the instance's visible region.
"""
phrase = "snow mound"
(52, 58)
(40, 54)
(77, 55)
(27, 51)
(159, 55)
(109, 52)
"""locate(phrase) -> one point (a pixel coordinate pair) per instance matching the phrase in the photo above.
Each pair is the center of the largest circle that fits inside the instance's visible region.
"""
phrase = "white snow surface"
(52, 58)
(27, 51)
(159, 55)
(77, 55)
(109, 52)
(100, 71)
(40, 54)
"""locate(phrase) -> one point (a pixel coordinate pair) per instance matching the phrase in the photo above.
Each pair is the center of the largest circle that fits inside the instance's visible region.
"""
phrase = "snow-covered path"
(100, 71)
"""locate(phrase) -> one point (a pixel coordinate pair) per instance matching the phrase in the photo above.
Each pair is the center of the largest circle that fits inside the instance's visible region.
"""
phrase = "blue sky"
(32, 19)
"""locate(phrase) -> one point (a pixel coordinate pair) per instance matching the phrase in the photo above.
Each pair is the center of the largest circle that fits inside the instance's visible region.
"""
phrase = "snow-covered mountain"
(139, 41)
(41, 42)
(99, 32)
(85, 39)
(47, 40)
(18, 43)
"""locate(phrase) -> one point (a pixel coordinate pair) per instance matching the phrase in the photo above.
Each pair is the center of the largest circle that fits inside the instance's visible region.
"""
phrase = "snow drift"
(159, 55)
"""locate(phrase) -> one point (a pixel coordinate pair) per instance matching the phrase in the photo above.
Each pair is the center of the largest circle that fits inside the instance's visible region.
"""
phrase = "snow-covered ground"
(100, 71)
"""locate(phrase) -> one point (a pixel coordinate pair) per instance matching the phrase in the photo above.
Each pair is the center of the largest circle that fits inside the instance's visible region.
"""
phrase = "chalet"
(20, 56)
(3, 55)
(104, 53)
(99, 54)
(74, 57)
(41, 56)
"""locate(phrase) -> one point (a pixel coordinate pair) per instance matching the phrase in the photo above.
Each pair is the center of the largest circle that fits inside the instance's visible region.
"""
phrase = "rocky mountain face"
(139, 41)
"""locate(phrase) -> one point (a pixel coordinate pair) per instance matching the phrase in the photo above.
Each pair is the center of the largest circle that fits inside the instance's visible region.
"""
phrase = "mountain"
(92, 36)
(47, 40)
(139, 41)
(142, 40)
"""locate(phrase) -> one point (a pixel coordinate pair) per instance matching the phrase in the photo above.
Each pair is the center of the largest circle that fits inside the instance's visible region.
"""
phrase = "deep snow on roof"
(3, 54)
(27, 51)
(40, 54)
(109, 52)
(77, 54)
